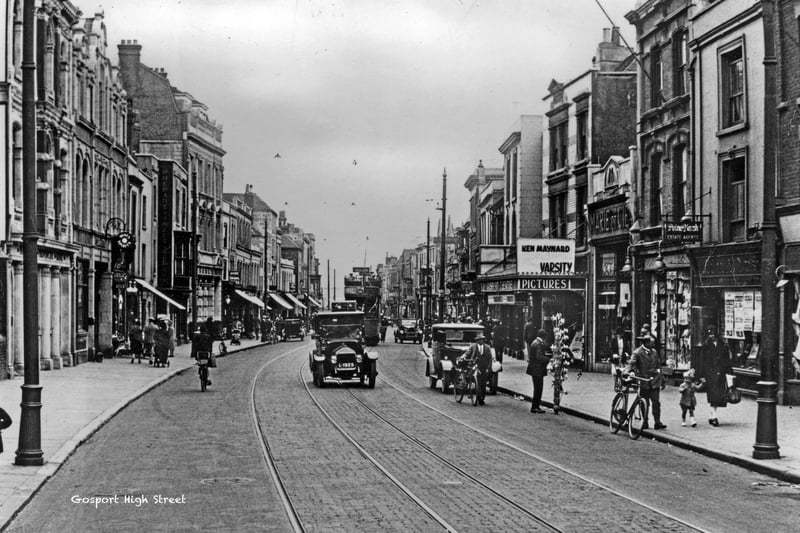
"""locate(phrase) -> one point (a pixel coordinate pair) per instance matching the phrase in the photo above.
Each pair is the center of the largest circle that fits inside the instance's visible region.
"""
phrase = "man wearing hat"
(482, 355)
(645, 363)
(538, 358)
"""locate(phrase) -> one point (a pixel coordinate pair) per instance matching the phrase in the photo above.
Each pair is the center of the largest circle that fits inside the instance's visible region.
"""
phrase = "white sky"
(405, 88)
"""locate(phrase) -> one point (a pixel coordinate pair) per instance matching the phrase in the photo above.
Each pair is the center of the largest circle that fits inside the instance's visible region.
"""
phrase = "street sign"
(683, 231)
(361, 270)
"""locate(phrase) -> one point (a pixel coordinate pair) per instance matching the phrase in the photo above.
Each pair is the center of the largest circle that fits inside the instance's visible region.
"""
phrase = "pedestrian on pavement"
(5, 423)
(172, 339)
(688, 400)
(209, 327)
(161, 344)
(149, 338)
(645, 363)
(537, 367)
(528, 335)
(717, 359)
(482, 355)
(135, 336)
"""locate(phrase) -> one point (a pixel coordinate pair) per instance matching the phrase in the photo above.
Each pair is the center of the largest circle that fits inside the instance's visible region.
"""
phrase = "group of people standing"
(155, 342)
(712, 377)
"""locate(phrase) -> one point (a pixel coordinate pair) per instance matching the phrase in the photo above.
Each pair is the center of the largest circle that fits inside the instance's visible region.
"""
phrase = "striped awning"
(250, 298)
(297, 302)
(160, 294)
(280, 301)
(313, 302)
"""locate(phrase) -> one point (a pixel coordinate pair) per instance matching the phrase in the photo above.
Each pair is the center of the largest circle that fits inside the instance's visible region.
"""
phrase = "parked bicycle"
(631, 412)
(466, 381)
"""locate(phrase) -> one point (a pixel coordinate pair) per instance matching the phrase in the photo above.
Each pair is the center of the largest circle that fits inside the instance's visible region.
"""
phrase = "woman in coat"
(718, 364)
(161, 344)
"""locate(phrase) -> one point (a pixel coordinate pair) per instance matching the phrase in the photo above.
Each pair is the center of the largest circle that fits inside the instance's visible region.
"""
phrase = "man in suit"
(482, 354)
(537, 368)
(646, 363)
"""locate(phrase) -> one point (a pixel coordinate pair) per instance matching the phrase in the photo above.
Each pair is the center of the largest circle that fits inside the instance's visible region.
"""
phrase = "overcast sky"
(366, 101)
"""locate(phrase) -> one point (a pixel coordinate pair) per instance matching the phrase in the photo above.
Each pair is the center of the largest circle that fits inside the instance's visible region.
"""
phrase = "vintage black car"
(408, 329)
(340, 352)
(292, 328)
(449, 342)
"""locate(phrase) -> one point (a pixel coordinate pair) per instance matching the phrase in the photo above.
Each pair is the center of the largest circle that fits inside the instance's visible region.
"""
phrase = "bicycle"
(203, 362)
(636, 414)
(465, 381)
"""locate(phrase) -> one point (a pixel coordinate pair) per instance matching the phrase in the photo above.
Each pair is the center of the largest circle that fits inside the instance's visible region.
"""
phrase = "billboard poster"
(546, 256)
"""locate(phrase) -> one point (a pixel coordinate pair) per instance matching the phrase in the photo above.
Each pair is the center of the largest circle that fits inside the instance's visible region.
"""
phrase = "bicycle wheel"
(458, 387)
(637, 418)
(203, 378)
(619, 410)
(473, 389)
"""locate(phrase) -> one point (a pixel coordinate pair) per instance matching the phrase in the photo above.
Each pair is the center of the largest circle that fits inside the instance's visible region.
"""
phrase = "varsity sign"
(546, 256)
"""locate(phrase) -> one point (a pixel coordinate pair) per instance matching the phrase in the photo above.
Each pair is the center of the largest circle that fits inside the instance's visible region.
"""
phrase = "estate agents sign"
(554, 257)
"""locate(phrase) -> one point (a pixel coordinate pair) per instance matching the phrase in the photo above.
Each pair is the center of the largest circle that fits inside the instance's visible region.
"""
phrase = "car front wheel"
(373, 374)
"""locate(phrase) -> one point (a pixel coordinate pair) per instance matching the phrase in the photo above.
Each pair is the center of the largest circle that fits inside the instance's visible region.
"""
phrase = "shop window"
(82, 296)
(742, 328)
(734, 204)
(794, 345)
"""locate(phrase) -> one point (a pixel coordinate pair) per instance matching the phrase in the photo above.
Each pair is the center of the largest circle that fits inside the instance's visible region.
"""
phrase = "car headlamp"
(333, 359)
(358, 358)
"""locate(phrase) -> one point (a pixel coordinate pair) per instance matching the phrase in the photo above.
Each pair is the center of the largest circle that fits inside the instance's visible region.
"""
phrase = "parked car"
(408, 329)
(340, 351)
(292, 328)
(449, 341)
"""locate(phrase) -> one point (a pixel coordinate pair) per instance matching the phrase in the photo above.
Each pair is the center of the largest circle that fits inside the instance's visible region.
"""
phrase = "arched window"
(17, 164)
(17, 50)
(611, 177)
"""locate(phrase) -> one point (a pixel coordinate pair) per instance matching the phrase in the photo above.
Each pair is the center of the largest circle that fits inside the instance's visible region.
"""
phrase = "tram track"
(410, 482)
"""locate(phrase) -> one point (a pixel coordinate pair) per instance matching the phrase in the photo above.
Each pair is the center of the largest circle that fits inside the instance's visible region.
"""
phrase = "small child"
(688, 400)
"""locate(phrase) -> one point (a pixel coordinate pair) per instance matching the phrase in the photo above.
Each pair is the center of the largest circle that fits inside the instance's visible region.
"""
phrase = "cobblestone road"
(204, 450)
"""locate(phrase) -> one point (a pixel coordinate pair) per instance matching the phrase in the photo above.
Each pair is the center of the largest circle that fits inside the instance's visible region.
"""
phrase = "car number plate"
(347, 365)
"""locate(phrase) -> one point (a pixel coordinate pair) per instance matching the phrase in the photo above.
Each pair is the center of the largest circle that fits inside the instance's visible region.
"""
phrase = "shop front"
(727, 295)
(543, 284)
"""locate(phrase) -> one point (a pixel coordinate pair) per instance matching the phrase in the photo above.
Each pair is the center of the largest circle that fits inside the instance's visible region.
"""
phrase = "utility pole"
(195, 245)
(334, 283)
(266, 262)
(29, 452)
(428, 307)
(329, 283)
(444, 244)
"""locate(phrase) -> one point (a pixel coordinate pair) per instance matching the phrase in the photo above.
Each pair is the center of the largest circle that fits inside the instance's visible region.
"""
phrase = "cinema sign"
(546, 256)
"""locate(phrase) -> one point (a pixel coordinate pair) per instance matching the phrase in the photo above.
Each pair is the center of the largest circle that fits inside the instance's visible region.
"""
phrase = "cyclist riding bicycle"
(202, 344)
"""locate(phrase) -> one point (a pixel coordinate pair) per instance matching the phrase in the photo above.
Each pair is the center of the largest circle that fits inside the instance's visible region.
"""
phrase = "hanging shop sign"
(546, 256)
(682, 231)
(501, 299)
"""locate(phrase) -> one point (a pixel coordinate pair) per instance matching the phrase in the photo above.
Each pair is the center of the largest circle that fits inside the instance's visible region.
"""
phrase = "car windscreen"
(408, 323)
(340, 327)
(459, 335)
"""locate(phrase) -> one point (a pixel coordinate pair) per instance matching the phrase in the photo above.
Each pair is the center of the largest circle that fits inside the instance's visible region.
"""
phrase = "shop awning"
(160, 294)
(280, 301)
(252, 299)
(297, 302)
(313, 302)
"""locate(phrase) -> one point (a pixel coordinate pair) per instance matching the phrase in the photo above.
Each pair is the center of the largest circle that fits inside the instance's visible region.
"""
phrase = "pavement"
(76, 402)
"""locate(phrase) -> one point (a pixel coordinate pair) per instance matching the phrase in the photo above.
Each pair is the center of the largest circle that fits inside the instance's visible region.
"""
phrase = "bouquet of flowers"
(561, 353)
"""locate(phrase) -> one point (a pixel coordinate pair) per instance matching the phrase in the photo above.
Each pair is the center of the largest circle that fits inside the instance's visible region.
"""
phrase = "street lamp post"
(444, 243)
(29, 452)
